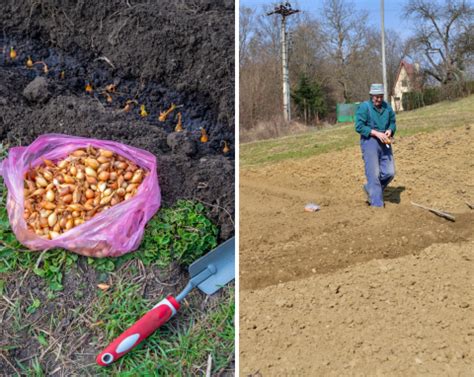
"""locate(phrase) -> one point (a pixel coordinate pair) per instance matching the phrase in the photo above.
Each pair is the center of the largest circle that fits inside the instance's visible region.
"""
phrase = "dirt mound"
(400, 317)
(279, 242)
(37, 90)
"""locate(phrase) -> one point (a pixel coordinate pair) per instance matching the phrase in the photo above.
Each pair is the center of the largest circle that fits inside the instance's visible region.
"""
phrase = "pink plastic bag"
(113, 232)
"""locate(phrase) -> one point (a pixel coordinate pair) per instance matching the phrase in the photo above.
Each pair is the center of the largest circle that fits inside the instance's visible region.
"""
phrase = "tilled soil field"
(154, 55)
(355, 290)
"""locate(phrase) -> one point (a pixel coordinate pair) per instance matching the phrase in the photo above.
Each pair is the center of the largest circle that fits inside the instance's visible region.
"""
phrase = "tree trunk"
(305, 112)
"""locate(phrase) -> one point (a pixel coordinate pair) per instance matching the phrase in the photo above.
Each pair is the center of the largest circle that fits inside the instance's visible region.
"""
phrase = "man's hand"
(381, 135)
(388, 133)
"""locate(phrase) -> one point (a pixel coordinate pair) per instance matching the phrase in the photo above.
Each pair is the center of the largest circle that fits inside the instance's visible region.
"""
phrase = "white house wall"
(399, 89)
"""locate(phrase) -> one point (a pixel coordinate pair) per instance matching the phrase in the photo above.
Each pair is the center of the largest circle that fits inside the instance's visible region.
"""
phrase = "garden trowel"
(209, 273)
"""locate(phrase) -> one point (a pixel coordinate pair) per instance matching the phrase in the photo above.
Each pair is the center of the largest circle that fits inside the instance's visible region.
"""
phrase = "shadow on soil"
(392, 194)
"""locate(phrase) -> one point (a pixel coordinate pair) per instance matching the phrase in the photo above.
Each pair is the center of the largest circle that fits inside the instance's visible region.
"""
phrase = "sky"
(393, 11)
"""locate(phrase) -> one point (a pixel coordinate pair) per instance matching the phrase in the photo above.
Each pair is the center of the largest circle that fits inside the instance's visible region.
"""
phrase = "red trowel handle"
(139, 331)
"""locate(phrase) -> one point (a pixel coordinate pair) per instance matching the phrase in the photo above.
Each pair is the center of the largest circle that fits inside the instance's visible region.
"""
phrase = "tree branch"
(432, 74)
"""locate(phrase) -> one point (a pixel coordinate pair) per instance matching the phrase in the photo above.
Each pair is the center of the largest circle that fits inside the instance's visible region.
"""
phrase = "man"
(375, 122)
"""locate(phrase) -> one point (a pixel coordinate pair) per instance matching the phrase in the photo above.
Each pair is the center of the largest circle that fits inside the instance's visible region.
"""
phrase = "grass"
(427, 119)
(179, 348)
(179, 234)
(172, 350)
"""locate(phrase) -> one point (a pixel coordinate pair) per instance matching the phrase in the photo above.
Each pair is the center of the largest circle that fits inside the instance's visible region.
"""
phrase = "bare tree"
(260, 73)
(267, 36)
(306, 54)
(395, 53)
(246, 26)
(443, 39)
(346, 37)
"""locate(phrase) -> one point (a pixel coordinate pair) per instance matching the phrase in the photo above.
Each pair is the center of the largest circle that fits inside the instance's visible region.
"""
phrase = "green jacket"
(379, 120)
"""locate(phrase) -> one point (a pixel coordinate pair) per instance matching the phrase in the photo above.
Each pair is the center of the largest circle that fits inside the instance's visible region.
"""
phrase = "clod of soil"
(37, 90)
(181, 143)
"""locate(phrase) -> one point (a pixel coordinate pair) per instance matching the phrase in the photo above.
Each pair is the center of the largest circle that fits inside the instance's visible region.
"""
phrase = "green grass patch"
(35, 304)
(179, 348)
(427, 119)
(33, 370)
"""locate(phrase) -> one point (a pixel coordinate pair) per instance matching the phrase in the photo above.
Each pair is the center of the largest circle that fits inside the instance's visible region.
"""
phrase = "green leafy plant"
(181, 233)
(52, 266)
(103, 264)
(42, 340)
(33, 306)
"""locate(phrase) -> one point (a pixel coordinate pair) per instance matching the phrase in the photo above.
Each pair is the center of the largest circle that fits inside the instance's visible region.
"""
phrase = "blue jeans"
(379, 168)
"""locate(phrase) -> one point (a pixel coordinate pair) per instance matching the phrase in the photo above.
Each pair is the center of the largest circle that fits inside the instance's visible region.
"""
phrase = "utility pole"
(384, 66)
(285, 10)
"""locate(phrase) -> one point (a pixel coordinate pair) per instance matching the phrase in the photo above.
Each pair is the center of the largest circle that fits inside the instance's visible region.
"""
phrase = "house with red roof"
(408, 79)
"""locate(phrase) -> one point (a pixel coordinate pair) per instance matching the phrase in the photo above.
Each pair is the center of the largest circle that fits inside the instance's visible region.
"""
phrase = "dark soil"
(156, 54)
(187, 46)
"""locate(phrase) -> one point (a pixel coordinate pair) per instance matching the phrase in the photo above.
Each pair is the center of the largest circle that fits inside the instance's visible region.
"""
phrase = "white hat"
(376, 89)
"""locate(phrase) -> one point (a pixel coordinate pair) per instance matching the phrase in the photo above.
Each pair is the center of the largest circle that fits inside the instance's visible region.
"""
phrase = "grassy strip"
(427, 119)
(179, 348)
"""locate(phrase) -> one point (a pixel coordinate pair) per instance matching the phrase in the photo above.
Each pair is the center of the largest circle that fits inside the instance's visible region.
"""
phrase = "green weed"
(181, 233)
(33, 306)
(34, 371)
